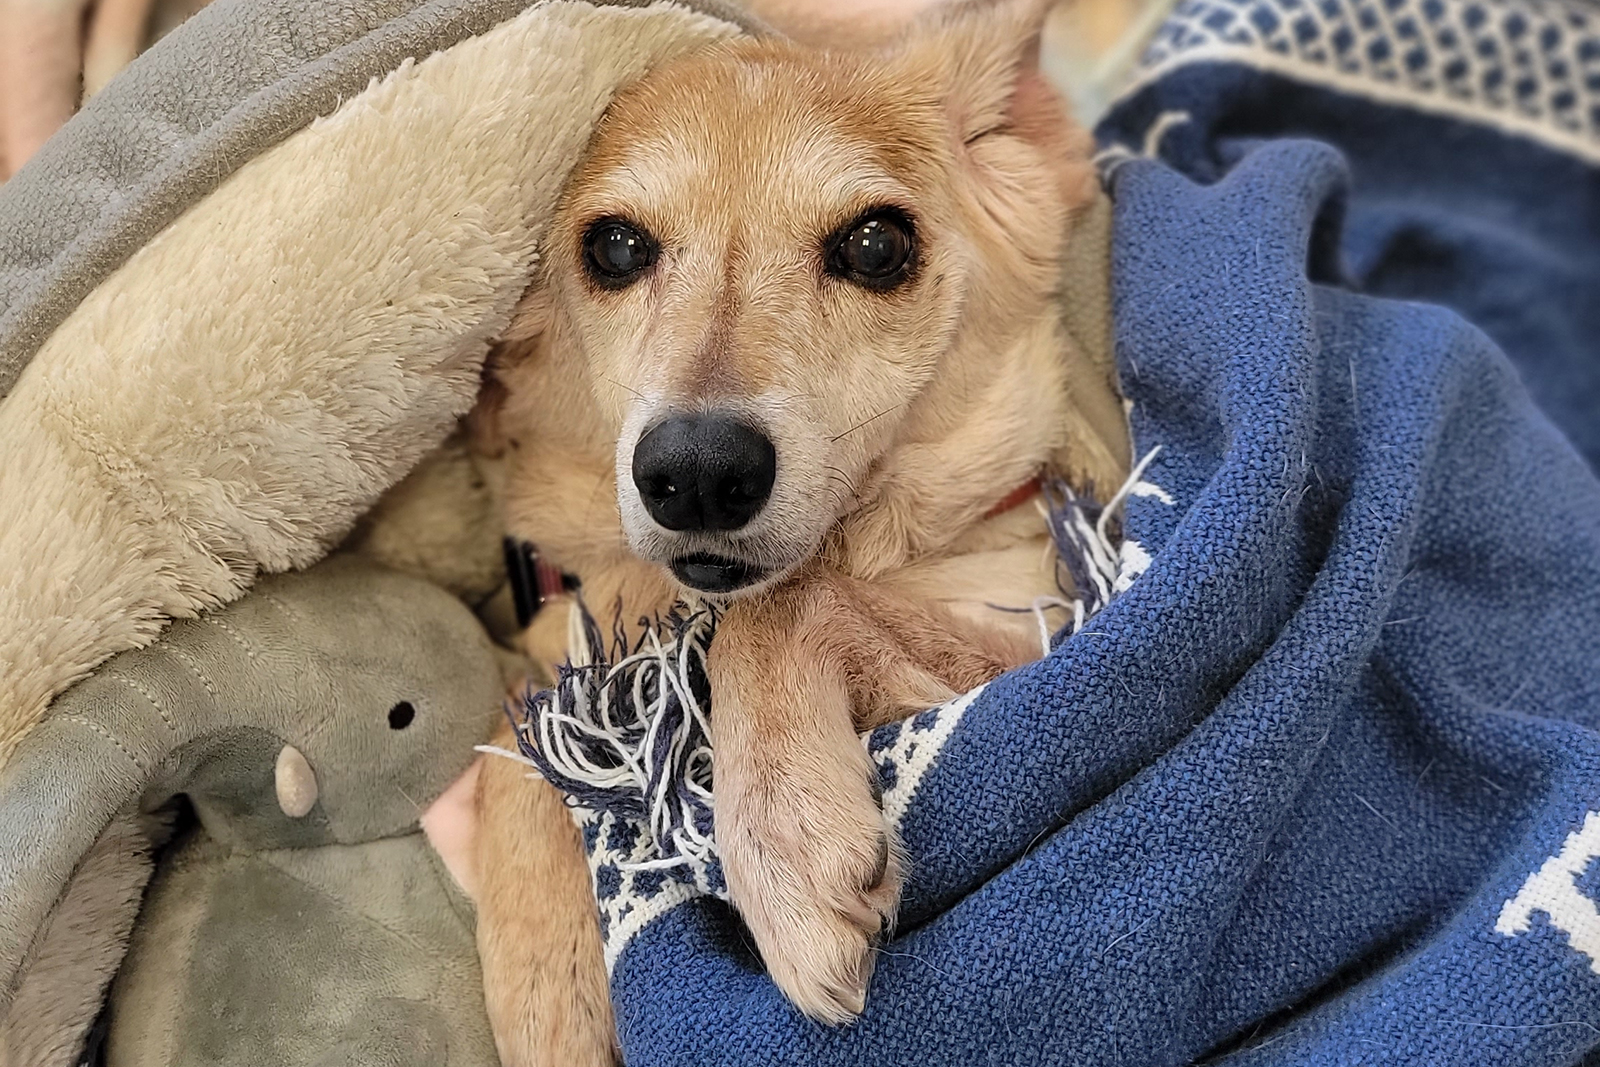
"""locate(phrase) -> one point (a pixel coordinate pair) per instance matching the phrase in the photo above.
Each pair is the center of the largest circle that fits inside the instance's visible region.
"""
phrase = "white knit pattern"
(1553, 891)
(1531, 68)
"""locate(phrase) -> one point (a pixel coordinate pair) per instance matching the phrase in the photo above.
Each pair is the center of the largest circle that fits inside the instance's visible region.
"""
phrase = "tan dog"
(796, 346)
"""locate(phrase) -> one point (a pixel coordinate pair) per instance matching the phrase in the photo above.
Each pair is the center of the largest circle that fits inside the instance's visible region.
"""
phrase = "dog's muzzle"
(704, 473)
(701, 474)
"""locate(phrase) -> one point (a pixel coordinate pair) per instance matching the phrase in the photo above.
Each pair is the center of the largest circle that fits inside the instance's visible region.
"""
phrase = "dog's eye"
(616, 252)
(874, 251)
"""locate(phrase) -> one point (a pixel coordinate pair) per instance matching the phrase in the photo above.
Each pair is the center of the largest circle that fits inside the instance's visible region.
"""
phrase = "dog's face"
(767, 255)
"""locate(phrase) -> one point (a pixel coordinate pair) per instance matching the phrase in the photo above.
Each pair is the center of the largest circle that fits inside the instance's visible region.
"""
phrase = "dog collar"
(1017, 497)
(534, 579)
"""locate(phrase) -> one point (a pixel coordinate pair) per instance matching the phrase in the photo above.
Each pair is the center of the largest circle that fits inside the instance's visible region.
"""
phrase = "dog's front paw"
(815, 872)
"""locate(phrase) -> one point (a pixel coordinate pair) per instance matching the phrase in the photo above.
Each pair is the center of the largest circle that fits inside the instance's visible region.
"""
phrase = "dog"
(795, 347)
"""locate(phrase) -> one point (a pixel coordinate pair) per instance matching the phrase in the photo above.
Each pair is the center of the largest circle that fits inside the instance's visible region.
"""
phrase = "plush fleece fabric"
(236, 394)
(72, 959)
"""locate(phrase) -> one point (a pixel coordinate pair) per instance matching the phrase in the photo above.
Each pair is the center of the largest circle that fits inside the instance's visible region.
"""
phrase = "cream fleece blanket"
(235, 395)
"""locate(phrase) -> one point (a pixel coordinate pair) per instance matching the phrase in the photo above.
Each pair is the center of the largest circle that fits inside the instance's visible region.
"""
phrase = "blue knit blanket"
(1321, 783)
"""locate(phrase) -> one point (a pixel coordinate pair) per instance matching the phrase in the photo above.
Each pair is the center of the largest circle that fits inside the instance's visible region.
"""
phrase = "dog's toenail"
(875, 783)
(880, 868)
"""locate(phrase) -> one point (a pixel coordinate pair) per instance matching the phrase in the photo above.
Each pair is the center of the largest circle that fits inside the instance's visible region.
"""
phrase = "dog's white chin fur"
(774, 559)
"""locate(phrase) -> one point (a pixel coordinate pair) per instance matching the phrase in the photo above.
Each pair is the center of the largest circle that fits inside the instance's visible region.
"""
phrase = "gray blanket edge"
(238, 78)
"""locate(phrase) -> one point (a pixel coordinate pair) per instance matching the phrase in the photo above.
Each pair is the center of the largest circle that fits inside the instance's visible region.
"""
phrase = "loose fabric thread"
(626, 729)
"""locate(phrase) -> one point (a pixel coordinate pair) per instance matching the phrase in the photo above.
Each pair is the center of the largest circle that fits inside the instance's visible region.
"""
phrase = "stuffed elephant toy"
(268, 762)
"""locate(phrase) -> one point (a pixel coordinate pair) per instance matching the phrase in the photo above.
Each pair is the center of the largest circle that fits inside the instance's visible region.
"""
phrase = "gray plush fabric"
(260, 910)
(349, 954)
(236, 79)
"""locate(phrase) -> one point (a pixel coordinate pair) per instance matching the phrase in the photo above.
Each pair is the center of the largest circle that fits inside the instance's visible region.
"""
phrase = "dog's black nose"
(704, 472)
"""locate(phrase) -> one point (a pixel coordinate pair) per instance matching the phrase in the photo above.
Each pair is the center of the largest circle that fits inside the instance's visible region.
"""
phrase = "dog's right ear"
(518, 343)
(531, 316)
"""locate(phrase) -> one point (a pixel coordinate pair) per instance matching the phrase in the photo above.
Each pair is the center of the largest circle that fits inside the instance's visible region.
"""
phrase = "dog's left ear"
(984, 55)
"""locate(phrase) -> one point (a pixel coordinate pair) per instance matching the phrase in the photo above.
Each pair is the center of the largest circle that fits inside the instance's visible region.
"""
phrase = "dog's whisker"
(840, 486)
(835, 472)
(842, 491)
(626, 388)
(866, 422)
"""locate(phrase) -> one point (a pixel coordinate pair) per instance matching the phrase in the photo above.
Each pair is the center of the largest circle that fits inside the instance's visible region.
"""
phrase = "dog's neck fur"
(1041, 395)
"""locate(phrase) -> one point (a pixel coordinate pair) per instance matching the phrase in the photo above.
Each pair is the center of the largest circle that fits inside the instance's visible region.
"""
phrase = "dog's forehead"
(744, 129)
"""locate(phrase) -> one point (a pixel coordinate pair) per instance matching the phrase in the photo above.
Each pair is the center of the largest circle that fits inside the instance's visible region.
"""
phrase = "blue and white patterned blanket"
(1322, 784)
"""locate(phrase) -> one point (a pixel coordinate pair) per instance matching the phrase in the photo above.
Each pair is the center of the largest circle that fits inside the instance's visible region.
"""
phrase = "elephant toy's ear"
(76, 860)
(323, 707)
(62, 979)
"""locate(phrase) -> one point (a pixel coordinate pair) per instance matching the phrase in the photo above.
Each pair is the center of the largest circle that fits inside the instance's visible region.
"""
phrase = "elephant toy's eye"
(401, 714)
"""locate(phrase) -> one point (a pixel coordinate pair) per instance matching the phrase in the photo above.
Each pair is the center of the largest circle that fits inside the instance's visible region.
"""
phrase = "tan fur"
(539, 939)
(900, 420)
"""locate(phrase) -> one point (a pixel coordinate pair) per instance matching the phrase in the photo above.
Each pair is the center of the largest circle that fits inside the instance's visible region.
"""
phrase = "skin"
(54, 54)
(41, 61)
(901, 417)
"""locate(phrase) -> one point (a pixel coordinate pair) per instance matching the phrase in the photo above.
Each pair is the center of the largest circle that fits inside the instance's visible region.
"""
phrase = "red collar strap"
(1017, 497)
(534, 579)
